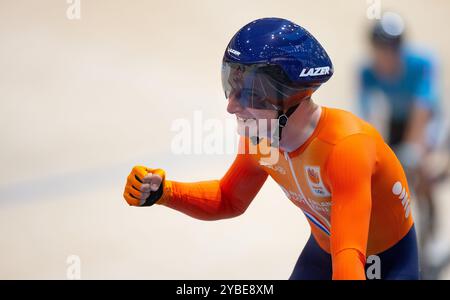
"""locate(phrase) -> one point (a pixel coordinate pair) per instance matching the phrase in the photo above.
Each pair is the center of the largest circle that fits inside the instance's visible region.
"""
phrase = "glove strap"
(154, 196)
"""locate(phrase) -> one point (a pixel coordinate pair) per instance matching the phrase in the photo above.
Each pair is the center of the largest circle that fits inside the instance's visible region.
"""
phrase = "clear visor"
(259, 86)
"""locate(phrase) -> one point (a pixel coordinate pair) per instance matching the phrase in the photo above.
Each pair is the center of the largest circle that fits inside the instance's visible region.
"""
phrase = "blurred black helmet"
(389, 31)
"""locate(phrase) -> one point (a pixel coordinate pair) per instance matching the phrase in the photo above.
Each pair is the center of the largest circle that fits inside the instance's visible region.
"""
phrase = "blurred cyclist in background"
(398, 93)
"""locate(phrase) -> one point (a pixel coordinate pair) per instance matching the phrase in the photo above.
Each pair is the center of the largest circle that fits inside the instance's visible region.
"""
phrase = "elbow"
(236, 208)
(237, 212)
(227, 211)
(230, 207)
(231, 212)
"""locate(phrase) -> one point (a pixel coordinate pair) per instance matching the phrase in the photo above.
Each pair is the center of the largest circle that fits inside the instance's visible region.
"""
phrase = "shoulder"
(352, 159)
(419, 57)
(340, 125)
(366, 72)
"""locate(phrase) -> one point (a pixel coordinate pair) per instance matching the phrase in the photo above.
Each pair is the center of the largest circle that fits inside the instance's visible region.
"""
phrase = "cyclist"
(334, 166)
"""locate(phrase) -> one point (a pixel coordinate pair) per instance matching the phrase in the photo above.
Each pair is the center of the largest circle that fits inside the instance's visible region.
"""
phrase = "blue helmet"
(273, 63)
(389, 31)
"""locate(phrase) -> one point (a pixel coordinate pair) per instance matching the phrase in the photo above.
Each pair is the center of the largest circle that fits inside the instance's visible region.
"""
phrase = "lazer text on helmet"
(315, 72)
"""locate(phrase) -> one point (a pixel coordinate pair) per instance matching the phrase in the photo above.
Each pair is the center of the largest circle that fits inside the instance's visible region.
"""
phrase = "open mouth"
(241, 119)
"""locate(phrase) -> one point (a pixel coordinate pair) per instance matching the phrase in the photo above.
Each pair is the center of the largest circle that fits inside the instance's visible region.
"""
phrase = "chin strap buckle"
(282, 120)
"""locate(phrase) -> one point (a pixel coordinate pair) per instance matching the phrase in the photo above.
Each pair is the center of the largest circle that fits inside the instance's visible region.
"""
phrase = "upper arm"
(242, 182)
(365, 86)
(425, 91)
(350, 169)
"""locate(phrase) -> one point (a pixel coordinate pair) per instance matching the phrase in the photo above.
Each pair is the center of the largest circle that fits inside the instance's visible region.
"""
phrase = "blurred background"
(84, 100)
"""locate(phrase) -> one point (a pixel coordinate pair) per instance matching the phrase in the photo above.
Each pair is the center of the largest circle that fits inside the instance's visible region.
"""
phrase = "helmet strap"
(283, 118)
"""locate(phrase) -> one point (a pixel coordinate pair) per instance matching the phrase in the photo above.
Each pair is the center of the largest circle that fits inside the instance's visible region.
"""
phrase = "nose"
(234, 106)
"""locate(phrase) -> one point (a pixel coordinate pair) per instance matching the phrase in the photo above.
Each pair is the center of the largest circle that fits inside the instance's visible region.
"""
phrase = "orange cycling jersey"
(346, 180)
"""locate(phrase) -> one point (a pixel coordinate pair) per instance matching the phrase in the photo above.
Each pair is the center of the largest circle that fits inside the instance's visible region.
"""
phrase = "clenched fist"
(144, 186)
